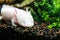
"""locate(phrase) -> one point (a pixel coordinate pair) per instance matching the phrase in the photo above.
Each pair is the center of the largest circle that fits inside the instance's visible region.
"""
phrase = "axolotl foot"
(13, 22)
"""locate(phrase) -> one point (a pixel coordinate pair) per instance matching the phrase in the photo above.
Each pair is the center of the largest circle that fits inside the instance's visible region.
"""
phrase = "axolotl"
(17, 16)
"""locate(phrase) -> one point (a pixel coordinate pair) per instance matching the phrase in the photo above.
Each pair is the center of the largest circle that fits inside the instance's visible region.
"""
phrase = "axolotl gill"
(19, 16)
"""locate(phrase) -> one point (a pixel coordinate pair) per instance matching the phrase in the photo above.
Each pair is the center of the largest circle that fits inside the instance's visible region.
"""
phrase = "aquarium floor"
(38, 31)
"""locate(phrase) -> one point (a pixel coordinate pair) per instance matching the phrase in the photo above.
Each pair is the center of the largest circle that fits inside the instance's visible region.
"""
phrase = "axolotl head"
(25, 18)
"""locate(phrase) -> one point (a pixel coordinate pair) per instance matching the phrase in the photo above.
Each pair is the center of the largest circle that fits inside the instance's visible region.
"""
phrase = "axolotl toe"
(20, 16)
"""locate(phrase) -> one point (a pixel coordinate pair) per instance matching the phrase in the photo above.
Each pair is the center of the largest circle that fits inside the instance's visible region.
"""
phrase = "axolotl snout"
(22, 17)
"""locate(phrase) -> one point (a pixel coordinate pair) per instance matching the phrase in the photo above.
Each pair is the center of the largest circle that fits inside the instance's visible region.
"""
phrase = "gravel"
(38, 31)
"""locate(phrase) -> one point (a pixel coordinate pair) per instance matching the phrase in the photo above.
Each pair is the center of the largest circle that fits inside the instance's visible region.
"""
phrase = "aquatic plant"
(48, 11)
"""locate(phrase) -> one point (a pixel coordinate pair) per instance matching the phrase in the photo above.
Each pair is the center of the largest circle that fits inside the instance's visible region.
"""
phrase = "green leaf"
(54, 24)
(42, 2)
(59, 25)
(50, 26)
(36, 4)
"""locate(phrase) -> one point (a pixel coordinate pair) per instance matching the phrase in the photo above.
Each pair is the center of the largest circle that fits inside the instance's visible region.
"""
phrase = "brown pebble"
(40, 32)
(18, 28)
(34, 28)
(44, 25)
(58, 32)
(26, 30)
(4, 26)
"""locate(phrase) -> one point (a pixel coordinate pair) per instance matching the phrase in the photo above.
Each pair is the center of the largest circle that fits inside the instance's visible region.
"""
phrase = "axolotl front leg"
(13, 22)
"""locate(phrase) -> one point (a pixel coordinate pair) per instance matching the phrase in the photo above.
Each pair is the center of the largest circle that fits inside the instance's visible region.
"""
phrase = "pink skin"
(8, 14)
(19, 16)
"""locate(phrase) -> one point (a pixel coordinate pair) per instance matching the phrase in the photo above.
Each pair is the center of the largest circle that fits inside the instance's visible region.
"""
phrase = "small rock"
(40, 33)
(44, 25)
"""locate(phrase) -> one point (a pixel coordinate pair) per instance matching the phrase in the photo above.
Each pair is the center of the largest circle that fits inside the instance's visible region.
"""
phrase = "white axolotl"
(22, 17)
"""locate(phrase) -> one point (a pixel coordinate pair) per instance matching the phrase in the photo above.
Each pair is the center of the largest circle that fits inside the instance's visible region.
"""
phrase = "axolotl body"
(19, 16)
